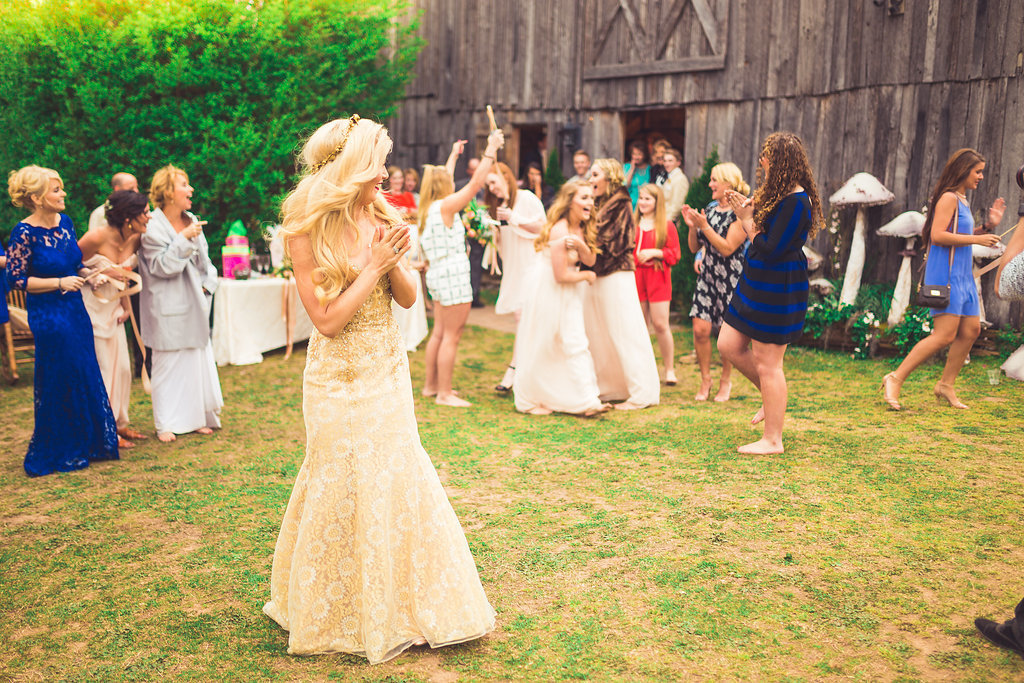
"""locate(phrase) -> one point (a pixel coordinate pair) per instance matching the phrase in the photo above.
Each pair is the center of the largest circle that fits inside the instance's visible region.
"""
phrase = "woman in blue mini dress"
(950, 226)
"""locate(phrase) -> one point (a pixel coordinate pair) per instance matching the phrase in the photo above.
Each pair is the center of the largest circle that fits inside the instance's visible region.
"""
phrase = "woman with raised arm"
(178, 282)
(371, 559)
(619, 343)
(720, 235)
(113, 242)
(443, 240)
(556, 372)
(521, 217)
(767, 309)
(73, 421)
(948, 235)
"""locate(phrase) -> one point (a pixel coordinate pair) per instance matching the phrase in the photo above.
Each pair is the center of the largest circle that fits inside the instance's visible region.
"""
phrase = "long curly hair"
(323, 205)
(561, 208)
(612, 169)
(954, 173)
(787, 167)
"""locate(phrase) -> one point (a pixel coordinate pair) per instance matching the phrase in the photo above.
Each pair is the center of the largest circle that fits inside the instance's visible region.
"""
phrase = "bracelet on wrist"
(492, 157)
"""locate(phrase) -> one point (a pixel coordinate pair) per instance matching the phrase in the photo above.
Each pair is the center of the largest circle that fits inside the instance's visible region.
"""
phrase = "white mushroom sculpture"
(907, 225)
(862, 190)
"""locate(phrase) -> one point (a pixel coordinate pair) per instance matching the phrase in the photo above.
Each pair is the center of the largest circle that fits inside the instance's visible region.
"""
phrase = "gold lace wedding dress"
(371, 557)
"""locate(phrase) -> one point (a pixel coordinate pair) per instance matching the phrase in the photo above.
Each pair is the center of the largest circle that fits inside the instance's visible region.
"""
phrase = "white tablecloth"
(248, 319)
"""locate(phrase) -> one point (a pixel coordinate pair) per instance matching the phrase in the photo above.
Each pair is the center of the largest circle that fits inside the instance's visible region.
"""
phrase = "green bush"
(224, 89)
(553, 176)
(684, 279)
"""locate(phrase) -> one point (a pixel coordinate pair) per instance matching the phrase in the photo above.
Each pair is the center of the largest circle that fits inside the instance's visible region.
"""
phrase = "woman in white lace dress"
(371, 559)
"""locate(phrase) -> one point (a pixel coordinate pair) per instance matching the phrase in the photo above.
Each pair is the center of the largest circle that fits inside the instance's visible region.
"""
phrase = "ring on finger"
(395, 249)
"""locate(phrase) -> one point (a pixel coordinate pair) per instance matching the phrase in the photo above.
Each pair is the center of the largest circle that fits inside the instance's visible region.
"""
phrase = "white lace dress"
(371, 557)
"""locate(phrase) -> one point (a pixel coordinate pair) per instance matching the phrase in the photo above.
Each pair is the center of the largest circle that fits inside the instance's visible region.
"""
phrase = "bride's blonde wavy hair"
(338, 161)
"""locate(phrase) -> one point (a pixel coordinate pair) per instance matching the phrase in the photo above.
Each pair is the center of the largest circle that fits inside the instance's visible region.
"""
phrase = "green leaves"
(225, 90)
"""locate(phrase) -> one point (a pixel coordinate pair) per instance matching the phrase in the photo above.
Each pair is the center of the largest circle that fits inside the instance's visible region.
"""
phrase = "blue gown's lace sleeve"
(18, 257)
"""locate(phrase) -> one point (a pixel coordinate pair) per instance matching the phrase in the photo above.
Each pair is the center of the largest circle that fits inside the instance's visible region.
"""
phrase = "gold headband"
(352, 121)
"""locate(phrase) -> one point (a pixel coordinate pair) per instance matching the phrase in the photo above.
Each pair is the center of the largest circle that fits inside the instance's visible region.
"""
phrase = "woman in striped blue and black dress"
(767, 309)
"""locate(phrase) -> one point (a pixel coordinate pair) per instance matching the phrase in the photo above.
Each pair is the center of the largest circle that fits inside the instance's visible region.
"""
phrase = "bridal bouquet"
(480, 227)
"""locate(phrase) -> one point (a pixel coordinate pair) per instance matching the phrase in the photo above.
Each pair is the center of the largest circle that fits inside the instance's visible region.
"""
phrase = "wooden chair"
(16, 342)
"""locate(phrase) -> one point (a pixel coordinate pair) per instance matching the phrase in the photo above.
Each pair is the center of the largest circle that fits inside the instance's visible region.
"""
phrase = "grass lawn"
(636, 546)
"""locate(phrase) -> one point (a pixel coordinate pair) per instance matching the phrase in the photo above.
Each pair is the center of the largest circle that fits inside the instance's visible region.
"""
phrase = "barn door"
(628, 38)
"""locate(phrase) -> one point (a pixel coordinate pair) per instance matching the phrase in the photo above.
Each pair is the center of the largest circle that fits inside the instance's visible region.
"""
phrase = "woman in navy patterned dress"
(767, 309)
(73, 420)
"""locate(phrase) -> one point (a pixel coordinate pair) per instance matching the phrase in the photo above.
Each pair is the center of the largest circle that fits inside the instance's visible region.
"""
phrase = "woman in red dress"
(657, 250)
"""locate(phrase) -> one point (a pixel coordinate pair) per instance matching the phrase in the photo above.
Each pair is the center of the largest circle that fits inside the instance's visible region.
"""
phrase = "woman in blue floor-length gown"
(73, 420)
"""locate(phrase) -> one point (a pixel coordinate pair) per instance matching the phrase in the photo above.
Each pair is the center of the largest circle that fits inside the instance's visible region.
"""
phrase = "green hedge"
(225, 89)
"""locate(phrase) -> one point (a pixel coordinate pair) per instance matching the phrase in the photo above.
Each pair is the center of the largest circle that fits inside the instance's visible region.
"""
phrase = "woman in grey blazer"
(178, 284)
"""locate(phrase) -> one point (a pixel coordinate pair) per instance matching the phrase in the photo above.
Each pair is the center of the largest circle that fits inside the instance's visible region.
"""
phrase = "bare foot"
(452, 400)
(724, 389)
(762, 447)
(428, 392)
(705, 389)
(670, 377)
(166, 437)
(539, 411)
(594, 412)
(204, 430)
(419, 641)
(129, 433)
(626, 405)
(758, 416)
(124, 443)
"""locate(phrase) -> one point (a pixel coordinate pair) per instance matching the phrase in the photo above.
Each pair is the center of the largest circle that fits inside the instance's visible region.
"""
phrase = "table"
(249, 318)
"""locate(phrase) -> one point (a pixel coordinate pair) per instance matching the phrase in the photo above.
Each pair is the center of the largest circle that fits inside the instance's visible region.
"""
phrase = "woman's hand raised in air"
(389, 247)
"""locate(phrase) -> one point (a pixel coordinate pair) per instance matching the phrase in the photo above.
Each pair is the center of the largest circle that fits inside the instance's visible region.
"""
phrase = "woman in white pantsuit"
(178, 281)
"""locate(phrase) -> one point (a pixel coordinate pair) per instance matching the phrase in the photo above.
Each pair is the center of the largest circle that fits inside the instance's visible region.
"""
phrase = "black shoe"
(477, 304)
(999, 635)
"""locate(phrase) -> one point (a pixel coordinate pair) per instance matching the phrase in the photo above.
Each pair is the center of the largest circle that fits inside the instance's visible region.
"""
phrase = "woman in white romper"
(443, 240)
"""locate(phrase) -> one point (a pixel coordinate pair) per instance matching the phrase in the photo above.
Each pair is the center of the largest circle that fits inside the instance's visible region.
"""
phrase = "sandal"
(502, 387)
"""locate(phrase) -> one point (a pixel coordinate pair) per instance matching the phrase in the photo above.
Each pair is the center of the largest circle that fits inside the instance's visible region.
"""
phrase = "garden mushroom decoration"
(907, 225)
(862, 190)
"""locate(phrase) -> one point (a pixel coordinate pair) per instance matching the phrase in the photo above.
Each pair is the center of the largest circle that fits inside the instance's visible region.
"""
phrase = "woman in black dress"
(767, 309)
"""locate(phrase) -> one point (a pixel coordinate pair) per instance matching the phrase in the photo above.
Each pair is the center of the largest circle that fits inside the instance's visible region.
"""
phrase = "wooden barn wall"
(891, 95)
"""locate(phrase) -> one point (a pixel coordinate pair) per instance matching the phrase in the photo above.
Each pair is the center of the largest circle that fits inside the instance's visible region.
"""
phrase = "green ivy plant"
(225, 90)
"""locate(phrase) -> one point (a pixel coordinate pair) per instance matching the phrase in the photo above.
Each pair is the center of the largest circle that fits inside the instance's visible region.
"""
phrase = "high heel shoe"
(505, 385)
(892, 400)
(944, 392)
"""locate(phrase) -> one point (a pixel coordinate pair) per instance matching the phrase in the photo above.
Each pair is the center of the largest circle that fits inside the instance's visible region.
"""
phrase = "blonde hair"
(613, 171)
(161, 189)
(437, 184)
(338, 161)
(560, 208)
(660, 221)
(30, 180)
(730, 174)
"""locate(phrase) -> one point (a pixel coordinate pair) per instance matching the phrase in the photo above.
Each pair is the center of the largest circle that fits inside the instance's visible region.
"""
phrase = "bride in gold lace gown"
(371, 558)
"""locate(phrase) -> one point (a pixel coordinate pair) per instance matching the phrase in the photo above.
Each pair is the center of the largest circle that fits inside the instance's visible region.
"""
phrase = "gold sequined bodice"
(370, 338)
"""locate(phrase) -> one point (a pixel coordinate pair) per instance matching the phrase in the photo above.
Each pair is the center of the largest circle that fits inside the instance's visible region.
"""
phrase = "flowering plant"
(915, 326)
(478, 223)
(863, 331)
